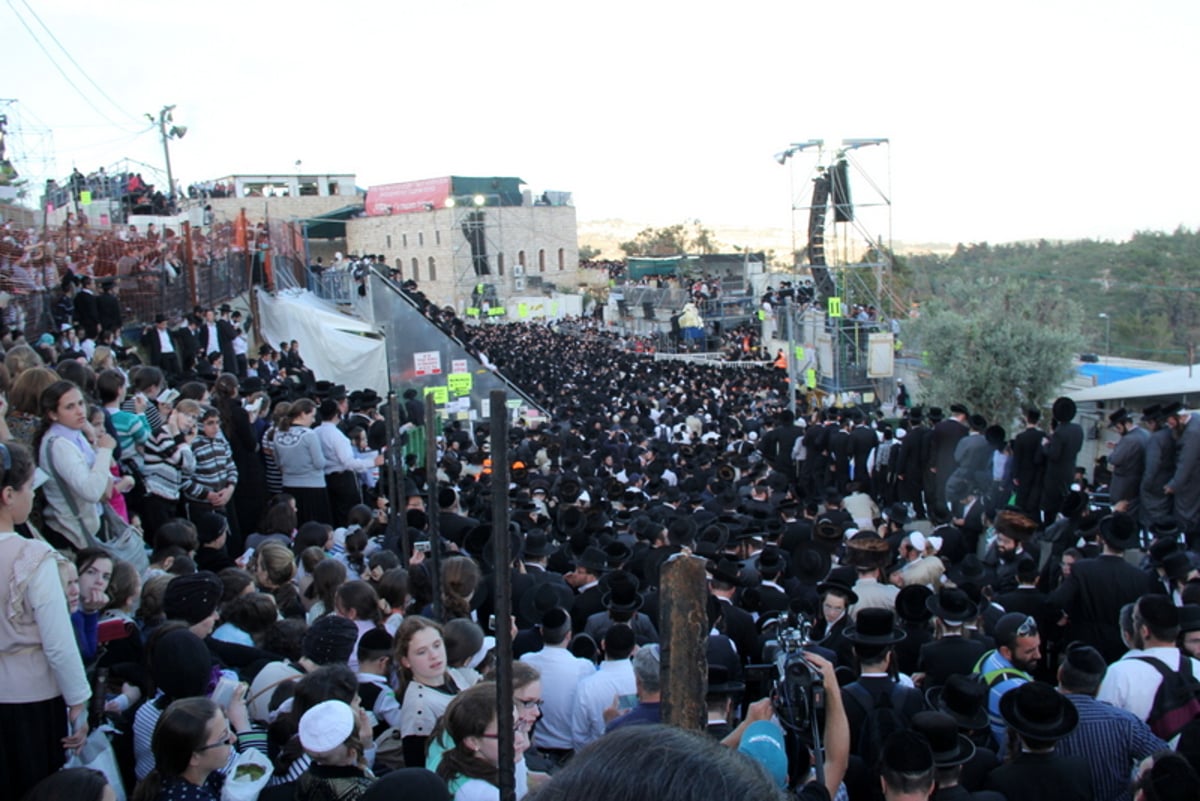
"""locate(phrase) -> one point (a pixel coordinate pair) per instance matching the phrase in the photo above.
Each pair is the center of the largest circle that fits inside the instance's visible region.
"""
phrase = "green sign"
(441, 395)
(459, 383)
(810, 378)
(85, 197)
(472, 311)
(835, 307)
(799, 353)
(522, 310)
(496, 311)
(513, 403)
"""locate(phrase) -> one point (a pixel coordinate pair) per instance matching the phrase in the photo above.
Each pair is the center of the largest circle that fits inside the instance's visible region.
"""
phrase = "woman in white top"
(429, 683)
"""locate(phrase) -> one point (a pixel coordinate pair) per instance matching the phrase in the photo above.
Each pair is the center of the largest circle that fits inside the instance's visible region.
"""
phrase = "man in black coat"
(1041, 716)
(862, 441)
(954, 653)
(87, 312)
(108, 307)
(816, 461)
(1156, 504)
(1092, 596)
(1060, 451)
(777, 444)
(942, 443)
(1027, 463)
(839, 457)
(910, 472)
(1128, 463)
(160, 347)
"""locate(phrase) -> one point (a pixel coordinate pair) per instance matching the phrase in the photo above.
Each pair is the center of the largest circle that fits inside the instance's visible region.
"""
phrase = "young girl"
(357, 601)
(327, 576)
(94, 567)
(471, 767)
(274, 570)
(429, 684)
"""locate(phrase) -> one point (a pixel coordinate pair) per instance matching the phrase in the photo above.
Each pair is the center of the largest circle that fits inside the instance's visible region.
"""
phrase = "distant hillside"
(607, 235)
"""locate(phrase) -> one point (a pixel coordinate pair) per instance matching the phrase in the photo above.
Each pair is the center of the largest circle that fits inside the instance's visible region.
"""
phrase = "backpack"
(883, 720)
(1177, 702)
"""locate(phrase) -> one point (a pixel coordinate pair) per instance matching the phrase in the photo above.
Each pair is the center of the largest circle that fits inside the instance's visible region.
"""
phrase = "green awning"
(331, 224)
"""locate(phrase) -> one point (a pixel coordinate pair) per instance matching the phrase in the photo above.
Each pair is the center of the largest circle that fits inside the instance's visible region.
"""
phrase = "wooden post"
(683, 626)
(431, 504)
(397, 522)
(498, 413)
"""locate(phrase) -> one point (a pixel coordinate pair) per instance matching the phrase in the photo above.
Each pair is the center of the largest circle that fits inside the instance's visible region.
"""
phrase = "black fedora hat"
(911, 603)
(970, 571)
(952, 605)
(594, 560)
(949, 747)
(1038, 711)
(1119, 416)
(571, 520)
(841, 580)
(1119, 531)
(1189, 618)
(726, 571)
(828, 535)
(720, 683)
(1164, 529)
(622, 592)
(963, 698)
(810, 562)
(1063, 409)
(537, 544)
(874, 626)
(541, 598)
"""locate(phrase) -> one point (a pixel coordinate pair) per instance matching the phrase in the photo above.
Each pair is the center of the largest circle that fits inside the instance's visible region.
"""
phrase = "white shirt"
(214, 342)
(339, 453)
(1131, 684)
(561, 675)
(165, 345)
(594, 695)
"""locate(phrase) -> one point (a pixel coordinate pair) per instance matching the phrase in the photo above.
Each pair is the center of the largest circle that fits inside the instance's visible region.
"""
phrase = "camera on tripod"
(798, 691)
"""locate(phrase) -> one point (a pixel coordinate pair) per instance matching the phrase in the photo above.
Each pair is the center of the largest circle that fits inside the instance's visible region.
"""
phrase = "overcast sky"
(1006, 121)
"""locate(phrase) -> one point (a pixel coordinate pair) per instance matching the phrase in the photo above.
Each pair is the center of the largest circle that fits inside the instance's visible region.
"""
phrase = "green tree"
(588, 252)
(673, 240)
(996, 345)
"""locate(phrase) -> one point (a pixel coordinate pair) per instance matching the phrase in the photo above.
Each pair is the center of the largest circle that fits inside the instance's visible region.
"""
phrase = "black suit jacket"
(1092, 597)
(941, 659)
(1034, 777)
(109, 310)
(862, 442)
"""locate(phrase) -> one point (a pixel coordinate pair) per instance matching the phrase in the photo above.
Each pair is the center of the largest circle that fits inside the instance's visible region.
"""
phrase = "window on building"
(403, 240)
(541, 260)
(521, 258)
(400, 268)
(416, 265)
(500, 264)
(389, 246)
(562, 259)
(432, 269)
(437, 237)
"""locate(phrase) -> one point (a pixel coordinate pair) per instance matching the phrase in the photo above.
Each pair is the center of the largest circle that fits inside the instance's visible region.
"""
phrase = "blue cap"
(763, 742)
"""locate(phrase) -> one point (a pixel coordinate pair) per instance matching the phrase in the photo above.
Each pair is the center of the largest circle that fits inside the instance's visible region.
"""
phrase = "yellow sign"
(459, 383)
(835, 307)
(472, 311)
(496, 311)
(441, 395)
(810, 378)
(762, 315)
(85, 197)
(799, 353)
(554, 308)
(522, 310)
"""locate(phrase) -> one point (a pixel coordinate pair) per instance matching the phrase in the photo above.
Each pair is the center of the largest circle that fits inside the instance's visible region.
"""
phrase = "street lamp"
(1107, 335)
(175, 132)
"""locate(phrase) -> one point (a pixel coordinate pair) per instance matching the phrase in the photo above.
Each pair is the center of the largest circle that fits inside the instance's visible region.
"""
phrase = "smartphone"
(423, 546)
(491, 622)
(626, 702)
(245, 560)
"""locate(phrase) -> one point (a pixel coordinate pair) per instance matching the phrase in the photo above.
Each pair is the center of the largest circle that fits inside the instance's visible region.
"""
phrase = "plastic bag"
(97, 754)
(248, 777)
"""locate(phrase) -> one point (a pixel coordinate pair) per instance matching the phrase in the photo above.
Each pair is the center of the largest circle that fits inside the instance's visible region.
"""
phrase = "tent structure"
(334, 345)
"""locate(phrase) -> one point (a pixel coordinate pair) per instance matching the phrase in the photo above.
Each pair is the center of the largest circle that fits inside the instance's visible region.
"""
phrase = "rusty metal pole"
(397, 517)
(431, 493)
(498, 412)
(189, 265)
(683, 625)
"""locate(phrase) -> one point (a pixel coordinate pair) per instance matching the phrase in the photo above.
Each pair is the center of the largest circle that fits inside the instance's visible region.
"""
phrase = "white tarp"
(332, 344)
(1170, 383)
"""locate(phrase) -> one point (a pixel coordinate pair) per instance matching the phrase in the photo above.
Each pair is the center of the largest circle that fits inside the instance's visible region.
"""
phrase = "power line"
(70, 58)
(61, 71)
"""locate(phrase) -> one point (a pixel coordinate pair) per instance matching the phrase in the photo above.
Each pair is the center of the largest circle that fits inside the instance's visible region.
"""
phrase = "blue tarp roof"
(1109, 374)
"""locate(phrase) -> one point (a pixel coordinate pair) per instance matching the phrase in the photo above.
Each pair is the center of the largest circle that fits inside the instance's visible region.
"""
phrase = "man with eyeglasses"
(1008, 666)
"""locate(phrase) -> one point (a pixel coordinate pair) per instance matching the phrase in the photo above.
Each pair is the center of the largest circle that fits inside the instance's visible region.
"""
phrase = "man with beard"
(910, 468)
(1128, 463)
(1014, 534)
(1027, 463)
(1060, 450)
(1092, 596)
(1184, 486)
(1018, 649)
(1156, 504)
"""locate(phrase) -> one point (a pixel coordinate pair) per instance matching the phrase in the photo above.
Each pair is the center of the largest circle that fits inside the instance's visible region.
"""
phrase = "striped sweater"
(166, 459)
(214, 469)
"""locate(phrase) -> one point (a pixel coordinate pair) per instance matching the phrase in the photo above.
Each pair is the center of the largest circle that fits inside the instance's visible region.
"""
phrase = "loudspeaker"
(843, 209)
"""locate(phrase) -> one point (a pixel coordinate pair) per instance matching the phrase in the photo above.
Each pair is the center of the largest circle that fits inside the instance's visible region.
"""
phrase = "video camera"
(798, 688)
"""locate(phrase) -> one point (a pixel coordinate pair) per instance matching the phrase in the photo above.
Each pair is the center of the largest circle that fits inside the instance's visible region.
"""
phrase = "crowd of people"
(217, 572)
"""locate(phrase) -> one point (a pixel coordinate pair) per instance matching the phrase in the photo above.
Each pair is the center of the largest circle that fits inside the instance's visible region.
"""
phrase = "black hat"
(543, 596)
(866, 549)
(810, 562)
(618, 554)
(963, 698)
(726, 571)
(874, 626)
(1163, 529)
(952, 605)
(1160, 549)
(1085, 659)
(941, 731)
(537, 544)
(1074, 504)
(1063, 409)
(1119, 531)
(958, 408)
(936, 415)
(969, 571)
(828, 535)
(904, 753)
(193, 597)
(1177, 566)
(771, 560)
(594, 560)
(719, 682)
(912, 603)
(841, 580)
(622, 592)
(160, 318)
(225, 307)
(376, 639)
(897, 513)
(995, 436)
(330, 640)
(1189, 618)
(368, 399)
(1119, 416)
(1170, 409)
(1038, 711)
(1152, 413)
(711, 541)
